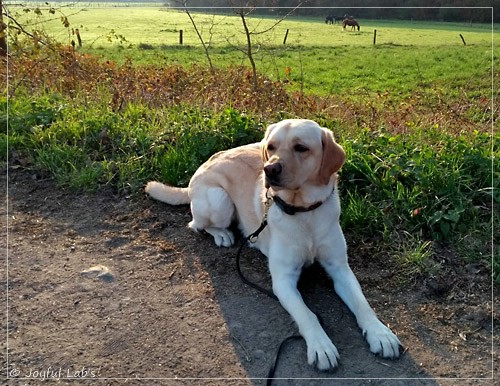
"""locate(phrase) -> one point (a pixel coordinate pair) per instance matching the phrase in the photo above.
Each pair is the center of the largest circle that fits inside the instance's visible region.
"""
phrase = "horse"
(330, 19)
(350, 22)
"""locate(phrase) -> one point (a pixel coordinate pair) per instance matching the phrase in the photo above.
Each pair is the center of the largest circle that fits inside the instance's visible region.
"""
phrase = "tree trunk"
(249, 49)
(3, 33)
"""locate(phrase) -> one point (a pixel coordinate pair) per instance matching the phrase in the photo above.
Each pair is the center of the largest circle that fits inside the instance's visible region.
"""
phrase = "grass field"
(159, 26)
(414, 112)
(318, 58)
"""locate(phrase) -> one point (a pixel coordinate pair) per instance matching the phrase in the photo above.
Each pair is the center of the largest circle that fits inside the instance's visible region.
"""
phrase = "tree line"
(473, 11)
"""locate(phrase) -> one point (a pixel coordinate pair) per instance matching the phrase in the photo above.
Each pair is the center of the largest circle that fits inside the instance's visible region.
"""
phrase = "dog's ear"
(333, 157)
(263, 150)
(263, 143)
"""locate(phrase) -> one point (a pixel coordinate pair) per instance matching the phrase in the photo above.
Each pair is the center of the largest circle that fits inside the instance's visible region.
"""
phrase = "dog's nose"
(273, 170)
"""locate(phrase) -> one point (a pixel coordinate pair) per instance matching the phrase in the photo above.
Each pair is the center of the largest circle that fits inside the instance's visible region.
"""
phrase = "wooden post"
(180, 37)
(374, 36)
(463, 40)
(77, 33)
(286, 35)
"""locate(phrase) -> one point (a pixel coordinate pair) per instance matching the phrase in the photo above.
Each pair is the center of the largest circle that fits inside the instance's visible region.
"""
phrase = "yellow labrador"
(296, 164)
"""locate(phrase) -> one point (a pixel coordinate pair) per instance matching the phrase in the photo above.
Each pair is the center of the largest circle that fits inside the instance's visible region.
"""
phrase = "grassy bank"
(415, 123)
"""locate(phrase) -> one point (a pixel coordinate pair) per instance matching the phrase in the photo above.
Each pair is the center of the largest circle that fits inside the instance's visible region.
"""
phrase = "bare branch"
(205, 46)
(280, 20)
(249, 48)
(20, 28)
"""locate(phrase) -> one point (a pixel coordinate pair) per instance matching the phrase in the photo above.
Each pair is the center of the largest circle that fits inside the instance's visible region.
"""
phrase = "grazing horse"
(350, 22)
(330, 19)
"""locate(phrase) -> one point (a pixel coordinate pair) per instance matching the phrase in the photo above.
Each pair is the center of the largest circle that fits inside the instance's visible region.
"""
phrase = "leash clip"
(253, 238)
(267, 204)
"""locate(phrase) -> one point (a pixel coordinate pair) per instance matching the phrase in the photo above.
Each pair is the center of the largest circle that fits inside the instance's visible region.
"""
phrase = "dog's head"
(297, 152)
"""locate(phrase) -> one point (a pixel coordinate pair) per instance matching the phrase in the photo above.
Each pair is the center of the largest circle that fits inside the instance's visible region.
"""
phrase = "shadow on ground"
(176, 308)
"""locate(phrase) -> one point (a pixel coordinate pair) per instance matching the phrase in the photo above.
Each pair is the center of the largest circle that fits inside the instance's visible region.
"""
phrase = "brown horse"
(350, 22)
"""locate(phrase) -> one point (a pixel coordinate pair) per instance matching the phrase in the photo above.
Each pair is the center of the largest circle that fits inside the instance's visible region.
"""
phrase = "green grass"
(426, 184)
(320, 58)
(160, 26)
(415, 255)
(88, 148)
(413, 114)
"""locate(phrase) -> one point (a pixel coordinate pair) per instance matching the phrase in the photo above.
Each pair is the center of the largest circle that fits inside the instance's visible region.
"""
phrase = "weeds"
(435, 186)
(415, 256)
(414, 167)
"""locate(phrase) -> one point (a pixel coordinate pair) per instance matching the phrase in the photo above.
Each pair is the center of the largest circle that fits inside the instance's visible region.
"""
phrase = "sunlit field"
(161, 26)
(316, 57)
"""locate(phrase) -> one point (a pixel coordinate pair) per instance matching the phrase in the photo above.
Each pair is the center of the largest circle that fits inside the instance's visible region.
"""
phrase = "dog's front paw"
(321, 351)
(222, 237)
(382, 340)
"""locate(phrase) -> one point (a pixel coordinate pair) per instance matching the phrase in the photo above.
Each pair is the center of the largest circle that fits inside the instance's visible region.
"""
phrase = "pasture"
(160, 26)
(318, 58)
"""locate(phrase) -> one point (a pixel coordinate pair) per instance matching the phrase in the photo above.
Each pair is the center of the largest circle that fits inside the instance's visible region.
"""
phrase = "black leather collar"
(292, 209)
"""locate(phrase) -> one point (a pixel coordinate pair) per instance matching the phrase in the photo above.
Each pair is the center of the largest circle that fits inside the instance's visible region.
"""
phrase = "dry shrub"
(62, 70)
(69, 73)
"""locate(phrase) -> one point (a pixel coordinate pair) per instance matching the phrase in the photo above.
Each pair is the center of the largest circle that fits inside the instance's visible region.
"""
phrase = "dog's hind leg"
(213, 212)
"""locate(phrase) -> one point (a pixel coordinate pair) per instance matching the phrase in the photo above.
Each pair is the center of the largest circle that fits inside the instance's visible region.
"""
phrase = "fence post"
(286, 35)
(77, 33)
(180, 37)
(374, 37)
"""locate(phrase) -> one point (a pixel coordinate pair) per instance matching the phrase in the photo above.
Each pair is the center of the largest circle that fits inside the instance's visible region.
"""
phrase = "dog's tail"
(169, 194)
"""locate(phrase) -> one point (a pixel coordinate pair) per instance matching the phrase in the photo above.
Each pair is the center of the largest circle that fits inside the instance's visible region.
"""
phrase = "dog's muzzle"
(273, 174)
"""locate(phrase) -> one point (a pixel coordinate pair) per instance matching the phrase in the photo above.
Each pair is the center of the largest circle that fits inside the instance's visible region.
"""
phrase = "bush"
(437, 184)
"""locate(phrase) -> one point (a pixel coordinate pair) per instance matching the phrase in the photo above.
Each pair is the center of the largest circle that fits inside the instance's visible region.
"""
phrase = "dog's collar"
(292, 209)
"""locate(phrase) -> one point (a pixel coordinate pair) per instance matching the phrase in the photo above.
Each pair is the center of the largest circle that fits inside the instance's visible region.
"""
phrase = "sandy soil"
(173, 307)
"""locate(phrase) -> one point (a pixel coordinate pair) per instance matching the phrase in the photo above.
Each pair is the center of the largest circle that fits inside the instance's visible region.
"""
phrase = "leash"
(252, 238)
(243, 278)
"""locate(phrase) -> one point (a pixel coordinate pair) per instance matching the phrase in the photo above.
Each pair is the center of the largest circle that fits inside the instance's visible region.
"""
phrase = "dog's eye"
(300, 148)
(270, 147)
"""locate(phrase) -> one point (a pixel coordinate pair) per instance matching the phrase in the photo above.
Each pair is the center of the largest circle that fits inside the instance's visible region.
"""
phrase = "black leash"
(252, 238)
(272, 370)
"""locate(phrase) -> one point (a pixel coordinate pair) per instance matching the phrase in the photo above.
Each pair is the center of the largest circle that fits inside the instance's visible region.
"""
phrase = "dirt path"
(173, 306)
